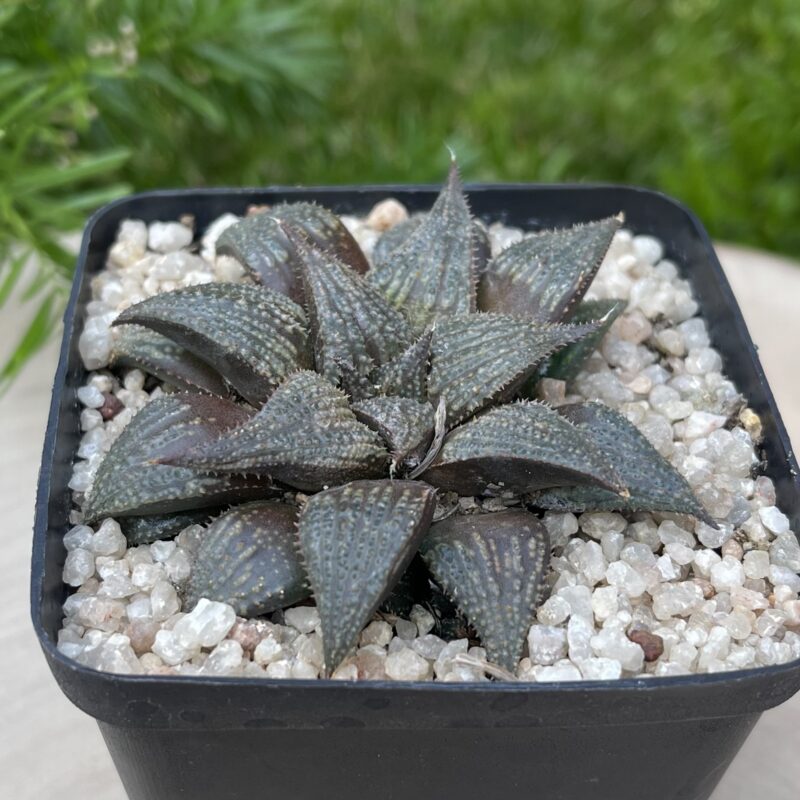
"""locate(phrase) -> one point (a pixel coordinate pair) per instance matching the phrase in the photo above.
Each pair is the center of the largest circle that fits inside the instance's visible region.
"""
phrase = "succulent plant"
(326, 402)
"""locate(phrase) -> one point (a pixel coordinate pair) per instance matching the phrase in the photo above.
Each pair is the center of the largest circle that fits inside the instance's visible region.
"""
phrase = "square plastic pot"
(233, 738)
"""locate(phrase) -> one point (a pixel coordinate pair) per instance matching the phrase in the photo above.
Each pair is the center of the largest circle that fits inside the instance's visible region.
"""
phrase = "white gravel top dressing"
(651, 594)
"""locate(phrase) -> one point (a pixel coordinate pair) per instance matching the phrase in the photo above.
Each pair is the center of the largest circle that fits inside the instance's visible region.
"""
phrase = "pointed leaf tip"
(567, 363)
(137, 347)
(477, 358)
(653, 484)
(492, 566)
(545, 275)
(131, 481)
(357, 540)
(432, 273)
(248, 559)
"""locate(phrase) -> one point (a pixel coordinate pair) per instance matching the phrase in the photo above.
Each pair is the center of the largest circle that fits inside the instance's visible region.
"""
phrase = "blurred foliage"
(698, 98)
(98, 98)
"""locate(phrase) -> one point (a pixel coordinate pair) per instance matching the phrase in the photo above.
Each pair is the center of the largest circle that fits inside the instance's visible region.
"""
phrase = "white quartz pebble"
(109, 540)
(553, 611)
(600, 669)
(546, 644)
(728, 574)
(756, 564)
(303, 618)
(206, 625)
(560, 671)
(166, 237)
(169, 649)
(78, 566)
(386, 214)
(611, 642)
(407, 665)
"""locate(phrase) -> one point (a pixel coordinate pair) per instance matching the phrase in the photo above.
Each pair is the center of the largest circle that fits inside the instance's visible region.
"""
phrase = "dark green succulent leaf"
(653, 484)
(478, 358)
(305, 436)
(481, 248)
(407, 374)
(153, 528)
(131, 482)
(405, 425)
(431, 275)
(350, 320)
(544, 276)
(399, 234)
(393, 238)
(141, 348)
(357, 540)
(492, 565)
(249, 559)
(325, 229)
(259, 243)
(523, 447)
(252, 336)
(567, 363)
(355, 385)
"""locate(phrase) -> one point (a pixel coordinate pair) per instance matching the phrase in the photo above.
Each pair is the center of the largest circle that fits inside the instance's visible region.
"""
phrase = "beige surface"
(49, 749)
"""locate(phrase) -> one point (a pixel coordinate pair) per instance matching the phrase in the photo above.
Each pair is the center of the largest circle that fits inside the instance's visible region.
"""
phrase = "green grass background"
(698, 98)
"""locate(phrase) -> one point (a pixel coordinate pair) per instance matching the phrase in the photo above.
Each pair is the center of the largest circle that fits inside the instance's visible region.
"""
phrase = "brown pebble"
(256, 209)
(707, 588)
(732, 548)
(142, 634)
(112, 405)
(752, 424)
(250, 632)
(652, 644)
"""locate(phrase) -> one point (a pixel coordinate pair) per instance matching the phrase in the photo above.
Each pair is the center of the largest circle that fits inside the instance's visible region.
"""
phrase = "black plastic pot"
(199, 738)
